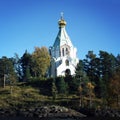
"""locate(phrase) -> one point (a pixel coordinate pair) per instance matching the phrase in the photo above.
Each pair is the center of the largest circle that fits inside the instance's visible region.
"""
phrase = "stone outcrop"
(42, 112)
(107, 113)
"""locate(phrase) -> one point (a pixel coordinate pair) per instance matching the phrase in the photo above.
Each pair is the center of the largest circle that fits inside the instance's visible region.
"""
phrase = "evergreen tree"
(89, 65)
(73, 84)
(7, 72)
(79, 70)
(107, 68)
(118, 64)
(61, 85)
(17, 66)
(54, 90)
(26, 61)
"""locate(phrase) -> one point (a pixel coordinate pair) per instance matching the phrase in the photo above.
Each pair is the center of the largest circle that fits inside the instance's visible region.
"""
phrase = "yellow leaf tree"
(115, 87)
(90, 88)
(41, 61)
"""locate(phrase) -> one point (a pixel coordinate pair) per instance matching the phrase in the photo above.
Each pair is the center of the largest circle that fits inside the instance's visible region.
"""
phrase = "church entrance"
(67, 72)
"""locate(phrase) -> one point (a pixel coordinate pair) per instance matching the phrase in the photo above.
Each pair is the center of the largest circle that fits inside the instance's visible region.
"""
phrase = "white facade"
(63, 53)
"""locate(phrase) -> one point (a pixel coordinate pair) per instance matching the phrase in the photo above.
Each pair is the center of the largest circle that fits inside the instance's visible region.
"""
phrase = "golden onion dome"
(62, 22)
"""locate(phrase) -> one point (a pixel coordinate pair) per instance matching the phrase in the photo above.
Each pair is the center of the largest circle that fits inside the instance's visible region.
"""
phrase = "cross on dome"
(62, 22)
(62, 15)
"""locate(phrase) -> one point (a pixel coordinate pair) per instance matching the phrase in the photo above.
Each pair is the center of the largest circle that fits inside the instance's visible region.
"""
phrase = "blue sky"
(91, 25)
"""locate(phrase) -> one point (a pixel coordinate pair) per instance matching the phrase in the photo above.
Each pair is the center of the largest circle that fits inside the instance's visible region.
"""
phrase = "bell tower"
(63, 53)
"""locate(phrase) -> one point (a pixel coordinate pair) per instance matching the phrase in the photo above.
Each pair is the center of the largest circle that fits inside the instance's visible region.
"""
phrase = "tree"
(54, 90)
(26, 61)
(17, 66)
(61, 85)
(90, 88)
(7, 72)
(72, 83)
(99, 70)
(118, 63)
(114, 87)
(92, 67)
(80, 89)
(107, 69)
(41, 61)
(89, 65)
(79, 70)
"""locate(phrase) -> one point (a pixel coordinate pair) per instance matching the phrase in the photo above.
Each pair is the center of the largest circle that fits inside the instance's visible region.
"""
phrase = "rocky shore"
(54, 112)
(41, 112)
(107, 113)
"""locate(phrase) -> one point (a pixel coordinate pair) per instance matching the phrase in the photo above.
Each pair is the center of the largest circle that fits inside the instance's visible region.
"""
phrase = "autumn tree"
(90, 92)
(114, 87)
(80, 89)
(40, 61)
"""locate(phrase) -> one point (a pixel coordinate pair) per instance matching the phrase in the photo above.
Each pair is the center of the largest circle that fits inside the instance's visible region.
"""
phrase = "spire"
(62, 37)
(61, 22)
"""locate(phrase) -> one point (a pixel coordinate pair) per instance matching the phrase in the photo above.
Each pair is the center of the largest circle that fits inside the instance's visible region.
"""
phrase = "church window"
(67, 62)
(67, 52)
(63, 52)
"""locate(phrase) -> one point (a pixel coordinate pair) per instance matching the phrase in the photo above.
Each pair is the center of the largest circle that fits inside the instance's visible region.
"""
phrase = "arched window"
(67, 62)
(63, 52)
(67, 51)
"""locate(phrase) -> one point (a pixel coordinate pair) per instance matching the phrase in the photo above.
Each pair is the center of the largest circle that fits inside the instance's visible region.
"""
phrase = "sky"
(91, 25)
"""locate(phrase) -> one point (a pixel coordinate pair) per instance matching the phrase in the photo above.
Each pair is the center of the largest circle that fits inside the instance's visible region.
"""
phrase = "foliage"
(33, 65)
(17, 66)
(54, 90)
(114, 87)
(26, 61)
(41, 61)
(61, 85)
(90, 92)
(7, 72)
(73, 84)
(102, 70)
(99, 70)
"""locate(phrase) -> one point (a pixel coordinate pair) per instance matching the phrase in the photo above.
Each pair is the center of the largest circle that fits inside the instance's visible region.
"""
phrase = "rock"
(107, 113)
(49, 111)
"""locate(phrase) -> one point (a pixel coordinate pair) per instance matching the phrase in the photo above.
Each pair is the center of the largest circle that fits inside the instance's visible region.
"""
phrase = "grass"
(21, 95)
(26, 95)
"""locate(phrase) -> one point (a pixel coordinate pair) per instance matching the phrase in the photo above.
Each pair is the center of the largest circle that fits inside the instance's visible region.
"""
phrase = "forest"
(96, 83)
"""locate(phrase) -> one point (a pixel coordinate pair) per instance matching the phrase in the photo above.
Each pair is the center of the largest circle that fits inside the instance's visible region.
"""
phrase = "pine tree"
(61, 85)
(54, 90)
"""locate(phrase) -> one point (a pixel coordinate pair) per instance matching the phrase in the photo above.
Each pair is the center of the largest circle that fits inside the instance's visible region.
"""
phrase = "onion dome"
(62, 22)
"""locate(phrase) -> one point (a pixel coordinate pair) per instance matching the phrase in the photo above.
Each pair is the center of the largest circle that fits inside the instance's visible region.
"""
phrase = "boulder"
(48, 111)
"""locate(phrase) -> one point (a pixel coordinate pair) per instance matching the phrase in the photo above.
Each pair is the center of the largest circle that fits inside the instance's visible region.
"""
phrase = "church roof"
(62, 36)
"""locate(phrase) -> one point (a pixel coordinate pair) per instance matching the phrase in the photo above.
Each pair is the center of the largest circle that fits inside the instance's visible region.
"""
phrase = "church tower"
(63, 53)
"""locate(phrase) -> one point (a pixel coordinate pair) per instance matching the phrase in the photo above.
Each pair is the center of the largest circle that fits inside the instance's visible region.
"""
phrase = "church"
(63, 54)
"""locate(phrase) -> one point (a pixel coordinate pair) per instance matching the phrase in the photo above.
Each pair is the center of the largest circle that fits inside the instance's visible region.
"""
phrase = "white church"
(63, 54)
